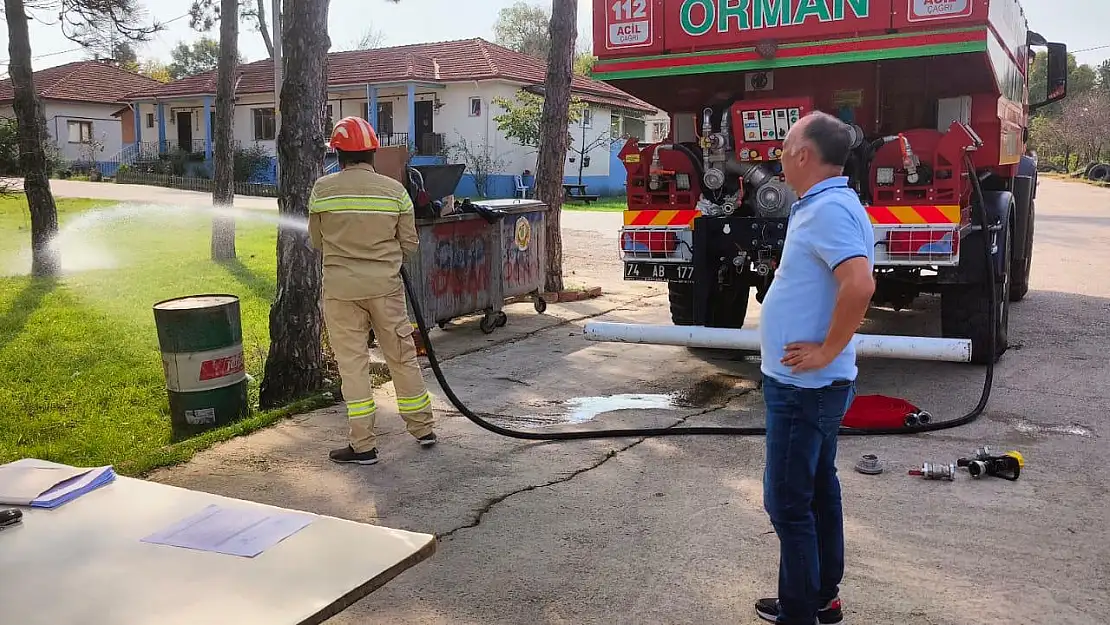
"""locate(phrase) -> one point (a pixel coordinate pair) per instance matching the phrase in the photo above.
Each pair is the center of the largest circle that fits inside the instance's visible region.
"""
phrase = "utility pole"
(276, 19)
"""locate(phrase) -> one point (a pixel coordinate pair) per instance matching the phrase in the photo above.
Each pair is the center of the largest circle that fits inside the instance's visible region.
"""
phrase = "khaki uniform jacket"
(364, 224)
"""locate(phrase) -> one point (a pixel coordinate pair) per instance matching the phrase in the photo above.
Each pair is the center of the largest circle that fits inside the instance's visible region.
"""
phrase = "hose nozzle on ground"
(1007, 466)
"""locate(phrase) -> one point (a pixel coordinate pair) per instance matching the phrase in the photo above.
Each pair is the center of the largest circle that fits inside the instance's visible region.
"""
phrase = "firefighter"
(363, 223)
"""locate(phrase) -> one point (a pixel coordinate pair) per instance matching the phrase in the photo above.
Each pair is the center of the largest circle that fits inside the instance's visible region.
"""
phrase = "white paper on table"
(22, 483)
(232, 531)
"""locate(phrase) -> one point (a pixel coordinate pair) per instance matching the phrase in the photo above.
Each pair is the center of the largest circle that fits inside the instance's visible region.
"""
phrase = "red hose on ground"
(878, 412)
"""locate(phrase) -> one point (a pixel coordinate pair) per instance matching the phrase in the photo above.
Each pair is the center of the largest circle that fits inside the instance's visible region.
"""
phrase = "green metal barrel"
(201, 339)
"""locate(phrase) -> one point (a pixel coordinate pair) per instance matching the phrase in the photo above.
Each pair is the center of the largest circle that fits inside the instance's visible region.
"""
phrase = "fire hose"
(932, 426)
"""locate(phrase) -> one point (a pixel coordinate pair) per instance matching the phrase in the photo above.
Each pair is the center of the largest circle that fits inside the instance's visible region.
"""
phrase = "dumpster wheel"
(980, 208)
(493, 320)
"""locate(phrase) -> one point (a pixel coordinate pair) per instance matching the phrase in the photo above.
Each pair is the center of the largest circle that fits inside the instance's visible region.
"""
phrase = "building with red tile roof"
(433, 97)
(81, 101)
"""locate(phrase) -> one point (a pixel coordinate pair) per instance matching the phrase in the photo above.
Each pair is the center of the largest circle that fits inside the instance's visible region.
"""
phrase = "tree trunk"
(264, 27)
(295, 365)
(223, 189)
(31, 123)
(553, 132)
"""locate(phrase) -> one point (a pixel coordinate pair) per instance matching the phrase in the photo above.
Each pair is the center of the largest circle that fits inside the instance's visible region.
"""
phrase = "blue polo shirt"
(827, 227)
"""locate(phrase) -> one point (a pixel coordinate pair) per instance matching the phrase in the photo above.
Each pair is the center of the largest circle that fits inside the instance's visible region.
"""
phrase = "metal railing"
(193, 183)
(432, 144)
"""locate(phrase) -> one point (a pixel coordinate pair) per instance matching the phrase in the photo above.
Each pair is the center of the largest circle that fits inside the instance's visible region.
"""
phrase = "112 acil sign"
(922, 10)
(628, 23)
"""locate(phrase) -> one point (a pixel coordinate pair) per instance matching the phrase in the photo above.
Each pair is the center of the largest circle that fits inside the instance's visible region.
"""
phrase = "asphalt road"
(672, 530)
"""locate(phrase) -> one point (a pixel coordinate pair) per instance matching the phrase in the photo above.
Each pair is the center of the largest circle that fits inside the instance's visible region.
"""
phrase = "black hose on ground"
(727, 430)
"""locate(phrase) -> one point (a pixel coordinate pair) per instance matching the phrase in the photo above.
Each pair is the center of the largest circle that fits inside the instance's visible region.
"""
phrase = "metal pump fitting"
(935, 471)
(869, 465)
(714, 178)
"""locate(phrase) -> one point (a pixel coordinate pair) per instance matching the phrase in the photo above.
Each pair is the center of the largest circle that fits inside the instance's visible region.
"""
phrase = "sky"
(415, 21)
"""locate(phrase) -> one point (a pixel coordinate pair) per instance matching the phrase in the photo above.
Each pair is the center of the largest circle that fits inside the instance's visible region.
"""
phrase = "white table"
(83, 564)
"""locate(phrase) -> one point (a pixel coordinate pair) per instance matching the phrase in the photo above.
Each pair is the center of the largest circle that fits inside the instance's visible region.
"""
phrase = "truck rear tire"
(681, 296)
(965, 311)
(728, 308)
(1019, 284)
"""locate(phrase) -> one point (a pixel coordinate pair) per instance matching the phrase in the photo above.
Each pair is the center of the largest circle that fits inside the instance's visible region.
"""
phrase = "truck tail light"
(923, 242)
(649, 241)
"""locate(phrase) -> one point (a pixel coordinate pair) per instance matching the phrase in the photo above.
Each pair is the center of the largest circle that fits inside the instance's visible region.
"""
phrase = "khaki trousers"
(349, 324)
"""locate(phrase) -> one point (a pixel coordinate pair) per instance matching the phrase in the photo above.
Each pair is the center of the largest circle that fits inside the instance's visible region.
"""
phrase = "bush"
(250, 161)
(9, 147)
(9, 151)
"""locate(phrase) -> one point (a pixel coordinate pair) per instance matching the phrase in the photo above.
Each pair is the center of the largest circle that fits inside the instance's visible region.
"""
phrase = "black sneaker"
(831, 614)
(429, 440)
(348, 455)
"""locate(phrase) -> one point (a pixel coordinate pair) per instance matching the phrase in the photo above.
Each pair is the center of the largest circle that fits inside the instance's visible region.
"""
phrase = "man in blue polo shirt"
(819, 296)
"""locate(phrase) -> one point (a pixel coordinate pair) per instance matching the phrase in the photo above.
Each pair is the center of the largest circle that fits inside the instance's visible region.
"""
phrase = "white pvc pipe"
(867, 345)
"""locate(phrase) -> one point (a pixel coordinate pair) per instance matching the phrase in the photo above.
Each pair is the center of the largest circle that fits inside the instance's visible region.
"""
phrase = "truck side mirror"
(1057, 76)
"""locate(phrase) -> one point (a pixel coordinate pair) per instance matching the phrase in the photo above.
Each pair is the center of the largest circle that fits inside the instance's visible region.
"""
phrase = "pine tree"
(295, 364)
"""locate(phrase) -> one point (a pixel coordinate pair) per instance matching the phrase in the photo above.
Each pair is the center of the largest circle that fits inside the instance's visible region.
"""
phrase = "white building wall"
(105, 129)
(455, 121)
(147, 131)
(657, 127)
(243, 123)
(452, 116)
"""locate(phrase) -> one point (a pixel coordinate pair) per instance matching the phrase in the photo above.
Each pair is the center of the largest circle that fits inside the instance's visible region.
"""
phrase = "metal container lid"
(196, 301)
(510, 203)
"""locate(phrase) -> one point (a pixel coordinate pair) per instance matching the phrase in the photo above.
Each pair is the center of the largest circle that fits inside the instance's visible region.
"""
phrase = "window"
(476, 107)
(265, 125)
(634, 128)
(80, 132)
(331, 120)
(384, 126)
(587, 118)
(385, 118)
(659, 130)
(150, 120)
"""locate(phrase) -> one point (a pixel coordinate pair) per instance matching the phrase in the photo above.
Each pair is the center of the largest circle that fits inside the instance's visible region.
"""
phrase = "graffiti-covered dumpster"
(468, 265)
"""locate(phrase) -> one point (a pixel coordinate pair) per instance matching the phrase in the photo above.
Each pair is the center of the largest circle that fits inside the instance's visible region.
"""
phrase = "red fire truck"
(936, 91)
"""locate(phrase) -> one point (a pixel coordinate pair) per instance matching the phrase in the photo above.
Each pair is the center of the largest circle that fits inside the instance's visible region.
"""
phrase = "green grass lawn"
(603, 205)
(81, 378)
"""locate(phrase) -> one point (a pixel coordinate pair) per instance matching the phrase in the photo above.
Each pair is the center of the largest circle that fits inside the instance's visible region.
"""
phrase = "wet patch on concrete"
(1032, 428)
(714, 390)
(583, 409)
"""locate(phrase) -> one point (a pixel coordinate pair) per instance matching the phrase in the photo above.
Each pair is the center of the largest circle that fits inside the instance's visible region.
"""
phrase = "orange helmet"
(354, 134)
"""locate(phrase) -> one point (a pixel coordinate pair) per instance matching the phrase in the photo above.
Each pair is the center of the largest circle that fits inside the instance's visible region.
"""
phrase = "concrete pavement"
(672, 530)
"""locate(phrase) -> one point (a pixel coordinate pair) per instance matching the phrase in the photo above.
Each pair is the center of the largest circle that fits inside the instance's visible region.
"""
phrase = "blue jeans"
(801, 493)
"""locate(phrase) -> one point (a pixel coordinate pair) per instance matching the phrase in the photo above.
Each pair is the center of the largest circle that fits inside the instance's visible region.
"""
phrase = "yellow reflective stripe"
(406, 204)
(414, 404)
(414, 400)
(359, 409)
(369, 203)
(415, 408)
